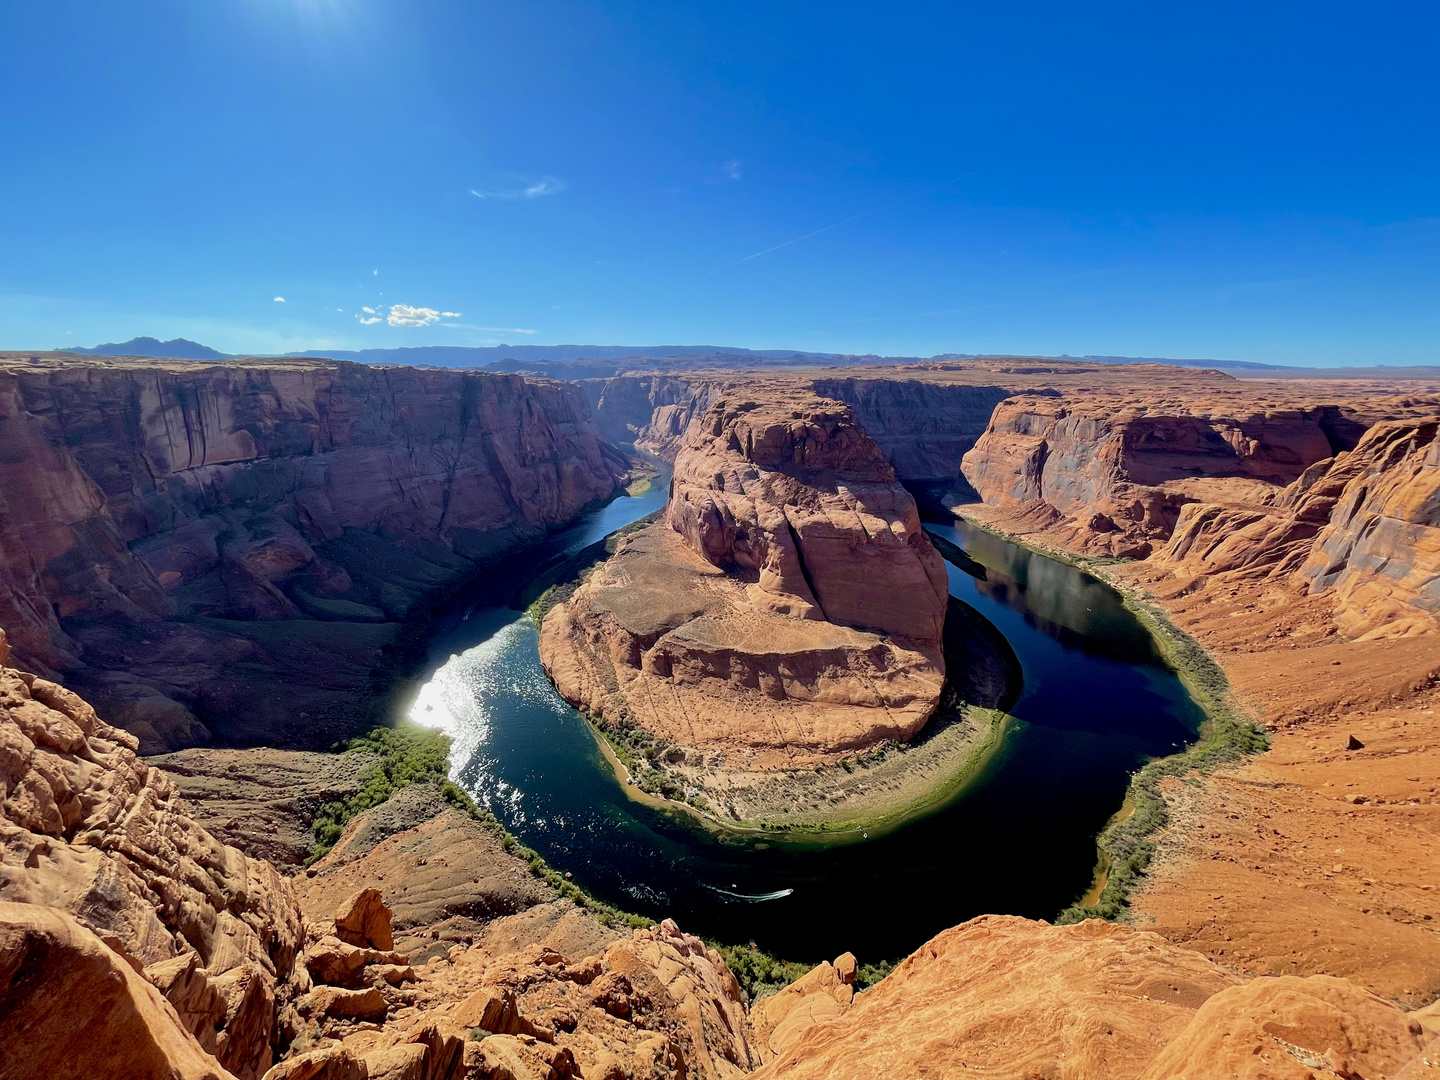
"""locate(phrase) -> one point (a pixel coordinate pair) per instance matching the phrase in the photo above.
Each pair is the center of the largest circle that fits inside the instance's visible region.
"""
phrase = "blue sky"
(1241, 181)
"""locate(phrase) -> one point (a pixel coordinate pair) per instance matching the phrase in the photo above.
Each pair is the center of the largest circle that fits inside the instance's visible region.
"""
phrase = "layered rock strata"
(788, 610)
(1362, 527)
(924, 428)
(291, 513)
(1119, 469)
(92, 834)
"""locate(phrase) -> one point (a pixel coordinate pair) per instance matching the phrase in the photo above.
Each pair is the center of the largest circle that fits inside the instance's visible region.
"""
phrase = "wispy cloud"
(279, 299)
(497, 329)
(726, 172)
(528, 189)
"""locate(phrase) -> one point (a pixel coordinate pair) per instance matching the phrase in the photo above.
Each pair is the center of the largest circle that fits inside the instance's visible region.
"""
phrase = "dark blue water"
(1097, 703)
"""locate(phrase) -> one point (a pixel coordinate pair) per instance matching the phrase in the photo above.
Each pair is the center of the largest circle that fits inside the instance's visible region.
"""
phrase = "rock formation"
(788, 610)
(1001, 997)
(73, 1007)
(271, 492)
(1120, 467)
(132, 943)
(92, 834)
(1292, 535)
(651, 411)
(1379, 553)
(924, 428)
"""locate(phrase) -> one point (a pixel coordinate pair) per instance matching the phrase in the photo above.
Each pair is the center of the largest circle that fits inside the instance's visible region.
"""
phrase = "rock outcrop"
(1121, 470)
(794, 493)
(656, 1005)
(73, 1008)
(1001, 997)
(788, 610)
(1293, 1029)
(1378, 556)
(88, 829)
(1362, 528)
(270, 492)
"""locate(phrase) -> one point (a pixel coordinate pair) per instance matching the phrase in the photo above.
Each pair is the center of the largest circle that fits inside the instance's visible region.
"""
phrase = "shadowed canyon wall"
(171, 531)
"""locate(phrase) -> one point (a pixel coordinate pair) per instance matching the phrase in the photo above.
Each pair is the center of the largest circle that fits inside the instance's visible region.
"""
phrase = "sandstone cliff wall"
(649, 410)
(1119, 469)
(1362, 528)
(923, 428)
(270, 492)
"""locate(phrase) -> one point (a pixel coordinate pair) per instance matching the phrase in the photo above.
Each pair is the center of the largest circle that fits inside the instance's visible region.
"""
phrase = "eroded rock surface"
(294, 511)
(1119, 468)
(262, 801)
(73, 1008)
(89, 829)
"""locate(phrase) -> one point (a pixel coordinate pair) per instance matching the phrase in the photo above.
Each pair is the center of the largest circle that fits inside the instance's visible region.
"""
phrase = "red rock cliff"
(787, 612)
(132, 491)
(797, 494)
(1120, 468)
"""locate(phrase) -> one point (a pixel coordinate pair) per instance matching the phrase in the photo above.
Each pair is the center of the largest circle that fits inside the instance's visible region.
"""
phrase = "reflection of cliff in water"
(1078, 610)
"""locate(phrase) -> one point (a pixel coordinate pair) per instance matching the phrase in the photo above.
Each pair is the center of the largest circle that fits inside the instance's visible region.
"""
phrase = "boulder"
(364, 920)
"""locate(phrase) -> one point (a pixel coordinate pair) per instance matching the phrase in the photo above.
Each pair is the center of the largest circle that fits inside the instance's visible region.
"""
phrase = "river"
(1097, 702)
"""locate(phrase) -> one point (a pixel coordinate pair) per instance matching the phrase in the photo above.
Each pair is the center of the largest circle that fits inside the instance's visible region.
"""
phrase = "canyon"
(230, 552)
(157, 519)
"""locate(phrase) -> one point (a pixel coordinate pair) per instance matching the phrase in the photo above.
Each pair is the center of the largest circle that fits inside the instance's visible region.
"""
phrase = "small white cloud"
(279, 299)
(368, 310)
(367, 322)
(408, 315)
(375, 272)
(732, 168)
(529, 189)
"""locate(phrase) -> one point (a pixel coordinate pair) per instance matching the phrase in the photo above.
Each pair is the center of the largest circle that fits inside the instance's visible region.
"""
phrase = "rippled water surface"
(1097, 702)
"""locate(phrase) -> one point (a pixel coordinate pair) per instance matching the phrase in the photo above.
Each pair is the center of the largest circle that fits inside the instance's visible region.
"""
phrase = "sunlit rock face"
(91, 835)
(796, 493)
(261, 492)
(1119, 469)
(788, 609)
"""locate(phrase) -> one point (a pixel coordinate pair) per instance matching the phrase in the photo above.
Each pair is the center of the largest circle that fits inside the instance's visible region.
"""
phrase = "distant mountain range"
(464, 356)
(602, 361)
(176, 349)
(1224, 365)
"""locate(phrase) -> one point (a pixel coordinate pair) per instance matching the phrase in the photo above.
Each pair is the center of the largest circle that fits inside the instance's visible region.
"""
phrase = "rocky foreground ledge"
(133, 944)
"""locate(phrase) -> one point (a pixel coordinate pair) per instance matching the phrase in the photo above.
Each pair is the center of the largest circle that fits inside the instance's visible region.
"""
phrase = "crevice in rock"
(805, 570)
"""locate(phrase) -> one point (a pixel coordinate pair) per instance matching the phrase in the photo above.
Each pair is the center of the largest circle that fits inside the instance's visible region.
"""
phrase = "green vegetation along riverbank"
(1125, 846)
(409, 754)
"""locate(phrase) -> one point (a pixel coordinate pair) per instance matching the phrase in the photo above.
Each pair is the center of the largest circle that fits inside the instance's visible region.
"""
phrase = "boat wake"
(749, 898)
